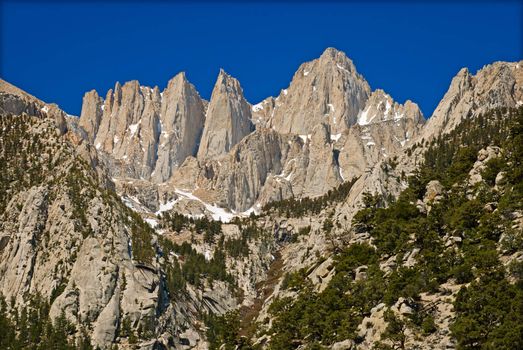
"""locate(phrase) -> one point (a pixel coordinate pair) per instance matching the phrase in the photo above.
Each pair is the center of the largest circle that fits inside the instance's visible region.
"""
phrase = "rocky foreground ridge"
(109, 220)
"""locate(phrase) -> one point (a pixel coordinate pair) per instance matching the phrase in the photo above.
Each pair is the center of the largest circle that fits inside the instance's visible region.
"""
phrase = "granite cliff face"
(326, 90)
(499, 84)
(343, 127)
(227, 119)
(145, 133)
(181, 121)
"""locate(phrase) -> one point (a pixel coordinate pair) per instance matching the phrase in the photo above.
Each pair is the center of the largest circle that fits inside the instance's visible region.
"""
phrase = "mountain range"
(160, 220)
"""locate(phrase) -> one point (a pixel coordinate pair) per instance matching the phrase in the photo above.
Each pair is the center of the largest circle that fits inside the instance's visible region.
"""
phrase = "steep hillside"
(439, 268)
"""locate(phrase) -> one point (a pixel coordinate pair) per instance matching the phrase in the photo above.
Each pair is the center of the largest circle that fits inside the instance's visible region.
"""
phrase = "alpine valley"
(327, 217)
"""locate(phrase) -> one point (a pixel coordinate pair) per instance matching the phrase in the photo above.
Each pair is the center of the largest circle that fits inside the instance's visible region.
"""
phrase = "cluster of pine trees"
(293, 207)
(30, 328)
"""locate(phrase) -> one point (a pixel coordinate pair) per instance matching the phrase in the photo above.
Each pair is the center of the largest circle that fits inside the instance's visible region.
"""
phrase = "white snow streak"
(335, 137)
(257, 107)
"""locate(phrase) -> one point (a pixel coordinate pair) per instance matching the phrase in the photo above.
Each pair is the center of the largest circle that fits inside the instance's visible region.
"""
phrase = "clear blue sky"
(58, 51)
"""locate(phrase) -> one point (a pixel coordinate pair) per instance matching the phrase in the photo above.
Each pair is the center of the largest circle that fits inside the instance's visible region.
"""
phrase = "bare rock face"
(499, 84)
(91, 115)
(236, 179)
(326, 90)
(322, 172)
(247, 167)
(145, 133)
(383, 129)
(26, 225)
(381, 107)
(63, 236)
(16, 101)
(228, 118)
(129, 129)
(182, 118)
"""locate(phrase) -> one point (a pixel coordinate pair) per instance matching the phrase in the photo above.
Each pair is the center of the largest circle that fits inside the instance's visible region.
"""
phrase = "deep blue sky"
(58, 51)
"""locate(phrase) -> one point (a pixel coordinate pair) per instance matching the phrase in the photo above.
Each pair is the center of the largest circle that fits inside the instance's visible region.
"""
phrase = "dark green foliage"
(175, 281)
(239, 247)
(223, 332)
(31, 328)
(395, 331)
(490, 314)
(494, 166)
(332, 314)
(309, 206)
(489, 311)
(20, 156)
(141, 236)
(7, 328)
(176, 222)
(294, 280)
(194, 267)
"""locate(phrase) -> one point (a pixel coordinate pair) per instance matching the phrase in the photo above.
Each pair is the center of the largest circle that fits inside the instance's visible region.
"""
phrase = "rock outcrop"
(16, 101)
(145, 133)
(228, 118)
(499, 84)
(326, 90)
(91, 115)
(182, 118)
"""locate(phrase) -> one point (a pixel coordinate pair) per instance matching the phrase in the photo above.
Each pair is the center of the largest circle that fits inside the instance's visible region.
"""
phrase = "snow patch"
(335, 137)
(387, 107)
(285, 91)
(208, 255)
(98, 145)
(251, 210)
(257, 107)
(45, 109)
(305, 73)
(116, 139)
(152, 222)
(217, 213)
(341, 174)
(134, 127)
(340, 67)
(364, 118)
(167, 206)
(305, 137)
(398, 116)
(370, 143)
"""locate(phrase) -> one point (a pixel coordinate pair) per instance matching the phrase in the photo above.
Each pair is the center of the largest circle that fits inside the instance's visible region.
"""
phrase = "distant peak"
(180, 77)
(335, 56)
(332, 52)
(225, 79)
(224, 75)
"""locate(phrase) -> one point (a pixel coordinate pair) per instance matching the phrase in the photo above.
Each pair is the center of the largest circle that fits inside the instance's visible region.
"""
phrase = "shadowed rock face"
(228, 118)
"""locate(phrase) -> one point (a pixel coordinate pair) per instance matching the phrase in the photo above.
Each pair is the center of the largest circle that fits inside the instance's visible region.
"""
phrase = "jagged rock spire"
(228, 118)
